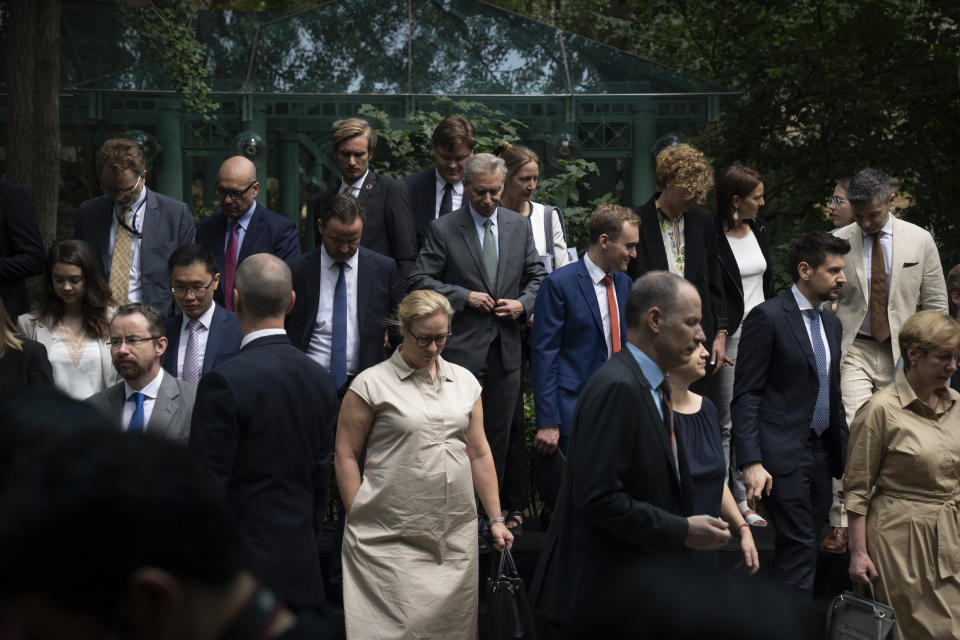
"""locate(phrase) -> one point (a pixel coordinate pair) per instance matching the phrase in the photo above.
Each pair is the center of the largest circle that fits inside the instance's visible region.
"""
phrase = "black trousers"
(798, 506)
(499, 398)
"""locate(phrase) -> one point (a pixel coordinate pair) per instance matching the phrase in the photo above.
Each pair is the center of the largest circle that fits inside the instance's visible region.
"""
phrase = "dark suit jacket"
(621, 503)
(268, 232)
(702, 267)
(170, 417)
(21, 248)
(24, 369)
(451, 263)
(223, 340)
(390, 228)
(567, 344)
(167, 226)
(732, 284)
(423, 198)
(379, 291)
(264, 425)
(775, 388)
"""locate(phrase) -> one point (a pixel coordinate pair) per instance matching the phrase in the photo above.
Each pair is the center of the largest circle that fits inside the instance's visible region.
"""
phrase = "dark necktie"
(668, 421)
(230, 265)
(338, 350)
(446, 203)
(136, 421)
(879, 323)
(821, 411)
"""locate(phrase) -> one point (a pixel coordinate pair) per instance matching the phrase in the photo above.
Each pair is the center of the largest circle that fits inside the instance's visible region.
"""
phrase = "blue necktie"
(821, 412)
(136, 422)
(338, 351)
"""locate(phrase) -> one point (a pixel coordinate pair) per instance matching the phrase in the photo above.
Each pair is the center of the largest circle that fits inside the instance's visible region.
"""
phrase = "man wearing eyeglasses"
(148, 400)
(133, 229)
(203, 334)
(243, 227)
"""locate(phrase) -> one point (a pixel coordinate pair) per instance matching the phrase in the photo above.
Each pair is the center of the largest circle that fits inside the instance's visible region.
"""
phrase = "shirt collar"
(651, 370)
(356, 185)
(326, 262)
(404, 370)
(262, 333)
(887, 227)
(206, 318)
(596, 273)
(151, 389)
(479, 219)
(441, 184)
(909, 399)
(801, 299)
(244, 220)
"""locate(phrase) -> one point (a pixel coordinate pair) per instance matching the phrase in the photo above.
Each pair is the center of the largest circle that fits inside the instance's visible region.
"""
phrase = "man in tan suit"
(883, 289)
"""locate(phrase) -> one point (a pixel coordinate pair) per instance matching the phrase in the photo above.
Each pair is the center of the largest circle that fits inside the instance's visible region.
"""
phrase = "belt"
(948, 529)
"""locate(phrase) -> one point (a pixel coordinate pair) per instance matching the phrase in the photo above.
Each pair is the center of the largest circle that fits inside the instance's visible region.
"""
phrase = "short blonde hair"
(688, 170)
(928, 330)
(352, 127)
(421, 304)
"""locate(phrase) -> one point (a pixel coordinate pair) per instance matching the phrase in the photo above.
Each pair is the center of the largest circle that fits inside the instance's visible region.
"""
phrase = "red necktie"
(614, 314)
(230, 266)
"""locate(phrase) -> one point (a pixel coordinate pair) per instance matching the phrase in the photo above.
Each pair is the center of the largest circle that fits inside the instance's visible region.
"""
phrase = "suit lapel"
(589, 293)
(896, 266)
(151, 222)
(652, 240)
(219, 224)
(164, 407)
(368, 185)
(856, 254)
(364, 276)
(798, 327)
(172, 355)
(253, 232)
(104, 218)
(505, 233)
(214, 338)
(469, 232)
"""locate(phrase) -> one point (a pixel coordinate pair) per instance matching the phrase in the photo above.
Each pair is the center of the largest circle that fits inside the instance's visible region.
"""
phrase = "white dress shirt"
(138, 210)
(262, 333)
(150, 390)
(885, 235)
(321, 340)
(596, 277)
(456, 195)
(244, 221)
(353, 189)
(202, 334)
(804, 304)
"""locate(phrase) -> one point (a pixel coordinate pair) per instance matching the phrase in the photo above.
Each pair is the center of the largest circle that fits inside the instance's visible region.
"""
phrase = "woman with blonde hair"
(23, 362)
(410, 555)
(902, 483)
(72, 320)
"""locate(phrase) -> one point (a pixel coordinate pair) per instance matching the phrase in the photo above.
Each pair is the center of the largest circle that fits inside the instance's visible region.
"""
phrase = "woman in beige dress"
(72, 320)
(902, 484)
(410, 557)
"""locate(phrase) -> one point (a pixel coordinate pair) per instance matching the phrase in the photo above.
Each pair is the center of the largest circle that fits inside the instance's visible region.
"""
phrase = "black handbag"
(851, 616)
(509, 614)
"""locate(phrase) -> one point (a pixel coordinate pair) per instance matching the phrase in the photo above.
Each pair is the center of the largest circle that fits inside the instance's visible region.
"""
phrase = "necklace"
(75, 342)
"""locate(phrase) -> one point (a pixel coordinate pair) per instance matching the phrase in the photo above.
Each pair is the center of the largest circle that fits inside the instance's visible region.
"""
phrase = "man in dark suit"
(146, 227)
(438, 190)
(21, 248)
(371, 287)
(680, 237)
(789, 427)
(264, 425)
(579, 322)
(626, 494)
(483, 259)
(203, 334)
(390, 228)
(243, 226)
(148, 400)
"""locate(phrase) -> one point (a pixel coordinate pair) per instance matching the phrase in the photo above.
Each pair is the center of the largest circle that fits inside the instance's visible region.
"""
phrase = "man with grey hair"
(624, 501)
(482, 257)
(264, 424)
(892, 268)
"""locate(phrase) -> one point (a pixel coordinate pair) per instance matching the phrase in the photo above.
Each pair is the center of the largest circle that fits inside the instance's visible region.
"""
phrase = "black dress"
(25, 368)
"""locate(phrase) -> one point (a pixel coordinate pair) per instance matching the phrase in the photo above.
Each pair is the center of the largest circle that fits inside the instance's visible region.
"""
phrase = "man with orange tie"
(579, 321)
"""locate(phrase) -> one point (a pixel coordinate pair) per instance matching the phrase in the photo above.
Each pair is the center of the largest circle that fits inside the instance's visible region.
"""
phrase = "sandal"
(753, 518)
(515, 518)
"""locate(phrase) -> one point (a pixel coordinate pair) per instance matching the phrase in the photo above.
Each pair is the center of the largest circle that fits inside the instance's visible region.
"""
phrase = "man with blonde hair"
(389, 228)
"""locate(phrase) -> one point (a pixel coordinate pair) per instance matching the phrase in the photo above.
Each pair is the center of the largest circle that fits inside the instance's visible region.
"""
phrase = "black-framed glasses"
(116, 193)
(836, 201)
(424, 341)
(233, 195)
(195, 290)
(132, 341)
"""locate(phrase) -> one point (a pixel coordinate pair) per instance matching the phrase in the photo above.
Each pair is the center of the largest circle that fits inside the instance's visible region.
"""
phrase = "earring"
(736, 214)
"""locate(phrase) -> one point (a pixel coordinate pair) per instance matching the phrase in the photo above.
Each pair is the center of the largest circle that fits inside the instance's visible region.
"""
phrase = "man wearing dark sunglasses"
(242, 226)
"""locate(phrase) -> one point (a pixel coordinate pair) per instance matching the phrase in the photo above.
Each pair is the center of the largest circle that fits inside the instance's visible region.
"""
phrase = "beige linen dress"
(410, 541)
(903, 474)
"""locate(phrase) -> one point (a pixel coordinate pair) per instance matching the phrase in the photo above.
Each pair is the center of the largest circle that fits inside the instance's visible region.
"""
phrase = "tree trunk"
(33, 106)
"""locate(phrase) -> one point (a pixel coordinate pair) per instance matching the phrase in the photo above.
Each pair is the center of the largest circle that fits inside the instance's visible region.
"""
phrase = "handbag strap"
(506, 559)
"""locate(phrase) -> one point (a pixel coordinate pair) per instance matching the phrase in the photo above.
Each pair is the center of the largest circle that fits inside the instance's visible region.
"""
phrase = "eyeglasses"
(233, 195)
(195, 291)
(424, 341)
(116, 193)
(132, 341)
(945, 359)
(836, 201)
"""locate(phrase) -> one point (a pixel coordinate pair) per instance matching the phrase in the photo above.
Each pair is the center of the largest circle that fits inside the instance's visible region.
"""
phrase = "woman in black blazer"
(744, 249)
(23, 362)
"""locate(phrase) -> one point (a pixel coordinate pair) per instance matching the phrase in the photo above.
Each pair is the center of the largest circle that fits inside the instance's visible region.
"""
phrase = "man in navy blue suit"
(789, 426)
(243, 227)
(372, 289)
(438, 190)
(572, 332)
(263, 424)
(203, 334)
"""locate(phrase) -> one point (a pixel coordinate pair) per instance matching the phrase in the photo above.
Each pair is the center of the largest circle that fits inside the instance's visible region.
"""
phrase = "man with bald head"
(263, 424)
(243, 227)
